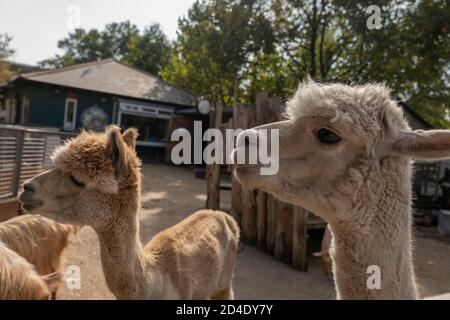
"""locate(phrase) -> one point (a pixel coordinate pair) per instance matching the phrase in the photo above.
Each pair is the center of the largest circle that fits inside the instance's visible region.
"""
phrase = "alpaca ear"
(116, 148)
(423, 145)
(129, 137)
(53, 280)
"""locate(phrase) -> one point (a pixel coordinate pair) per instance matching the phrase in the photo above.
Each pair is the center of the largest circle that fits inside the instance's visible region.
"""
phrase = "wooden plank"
(248, 202)
(271, 222)
(261, 219)
(236, 211)
(17, 172)
(261, 212)
(283, 232)
(213, 170)
(299, 239)
(249, 232)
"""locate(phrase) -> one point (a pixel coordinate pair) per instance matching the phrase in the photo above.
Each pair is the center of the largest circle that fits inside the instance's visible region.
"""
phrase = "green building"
(93, 95)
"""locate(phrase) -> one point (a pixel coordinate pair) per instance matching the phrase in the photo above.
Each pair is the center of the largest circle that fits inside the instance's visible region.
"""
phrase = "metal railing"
(25, 152)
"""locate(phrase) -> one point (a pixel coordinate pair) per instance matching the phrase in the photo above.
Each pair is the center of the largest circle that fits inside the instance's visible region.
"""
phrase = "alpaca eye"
(327, 136)
(76, 182)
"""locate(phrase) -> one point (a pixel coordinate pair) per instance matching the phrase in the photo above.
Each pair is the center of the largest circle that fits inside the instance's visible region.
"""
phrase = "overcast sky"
(37, 25)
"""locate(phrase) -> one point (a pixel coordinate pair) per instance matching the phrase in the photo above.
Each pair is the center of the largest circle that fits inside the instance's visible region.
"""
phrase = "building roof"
(109, 76)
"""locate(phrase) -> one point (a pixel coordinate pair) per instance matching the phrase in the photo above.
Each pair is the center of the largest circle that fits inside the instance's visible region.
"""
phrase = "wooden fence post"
(299, 238)
(261, 214)
(248, 201)
(283, 232)
(271, 222)
(213, 170)
(20, 138)
(236, 210)
(261, 219)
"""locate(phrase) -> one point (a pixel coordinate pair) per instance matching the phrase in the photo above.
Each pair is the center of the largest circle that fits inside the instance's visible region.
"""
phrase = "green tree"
(5, 52)
(149, 51)
(330, 41)
(217, 42)
(121, 41)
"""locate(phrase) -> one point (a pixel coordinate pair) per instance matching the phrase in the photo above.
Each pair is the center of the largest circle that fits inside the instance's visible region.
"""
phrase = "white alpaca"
(19, 279)
(345, 154)
(41, 241)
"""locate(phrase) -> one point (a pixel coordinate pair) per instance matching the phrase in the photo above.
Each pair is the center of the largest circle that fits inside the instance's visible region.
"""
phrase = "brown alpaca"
(41, 241)
(345, 154)
(97, 182)
(19, 279)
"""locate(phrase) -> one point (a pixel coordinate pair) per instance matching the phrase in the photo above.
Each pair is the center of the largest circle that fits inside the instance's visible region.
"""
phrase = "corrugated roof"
(112, 77)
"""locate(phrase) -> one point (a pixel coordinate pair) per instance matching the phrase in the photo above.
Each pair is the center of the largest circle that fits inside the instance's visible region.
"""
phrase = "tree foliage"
(122, 41)
(273, 45)
(217, 42)
(5, 52)
(250, 45)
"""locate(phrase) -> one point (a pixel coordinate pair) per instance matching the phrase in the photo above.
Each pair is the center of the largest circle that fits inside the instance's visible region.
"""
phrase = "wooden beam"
(299, 242)
(271, 222)
(283, 232)
(213, 170)
(236, 189)
(261, 211)
(248, 201)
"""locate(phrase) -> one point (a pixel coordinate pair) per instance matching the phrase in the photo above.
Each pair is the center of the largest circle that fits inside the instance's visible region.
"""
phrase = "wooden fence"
(272, 225)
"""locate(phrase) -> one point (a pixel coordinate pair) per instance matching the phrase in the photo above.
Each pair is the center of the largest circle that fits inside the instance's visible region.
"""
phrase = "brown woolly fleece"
(97, 182)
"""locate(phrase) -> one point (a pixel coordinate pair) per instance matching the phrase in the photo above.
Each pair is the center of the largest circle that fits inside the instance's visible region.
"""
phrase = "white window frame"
(65, 124)
(148, 111)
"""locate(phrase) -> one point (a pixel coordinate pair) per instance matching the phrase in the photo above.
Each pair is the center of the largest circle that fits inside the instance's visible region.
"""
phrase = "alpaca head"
(95, 179)
(335, 138)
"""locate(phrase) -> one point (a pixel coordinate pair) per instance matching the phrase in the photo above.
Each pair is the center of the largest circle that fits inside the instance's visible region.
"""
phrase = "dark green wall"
(47, 104)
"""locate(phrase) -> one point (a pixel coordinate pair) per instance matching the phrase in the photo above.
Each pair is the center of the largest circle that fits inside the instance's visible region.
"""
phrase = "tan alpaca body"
(97, 182)
(194, 259)
(19, 279)
(345, 154)
(41, 241)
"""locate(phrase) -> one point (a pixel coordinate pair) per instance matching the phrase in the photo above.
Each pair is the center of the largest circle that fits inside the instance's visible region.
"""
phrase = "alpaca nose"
(28, 186)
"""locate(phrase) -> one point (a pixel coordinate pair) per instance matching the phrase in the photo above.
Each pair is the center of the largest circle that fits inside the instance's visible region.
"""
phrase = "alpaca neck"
(122, 256)
(380, 236)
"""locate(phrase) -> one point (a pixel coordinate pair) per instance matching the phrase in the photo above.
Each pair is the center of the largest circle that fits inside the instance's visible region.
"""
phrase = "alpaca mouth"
(28, 203)
(30, 207)
(246, 163)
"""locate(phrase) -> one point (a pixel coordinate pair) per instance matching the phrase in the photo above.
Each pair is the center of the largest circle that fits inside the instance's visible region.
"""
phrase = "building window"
(151, 121)
(70, 114)
(152, 131)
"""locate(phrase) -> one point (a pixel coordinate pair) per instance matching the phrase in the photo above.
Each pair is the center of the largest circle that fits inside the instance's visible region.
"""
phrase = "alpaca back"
(198, 256)
(19, 279)
(41, 241)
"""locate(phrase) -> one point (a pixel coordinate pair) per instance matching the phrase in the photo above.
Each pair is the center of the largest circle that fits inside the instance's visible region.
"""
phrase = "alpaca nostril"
(29, 187)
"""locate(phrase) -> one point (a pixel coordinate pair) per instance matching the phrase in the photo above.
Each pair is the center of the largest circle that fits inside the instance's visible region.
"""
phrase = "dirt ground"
(171, 194)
